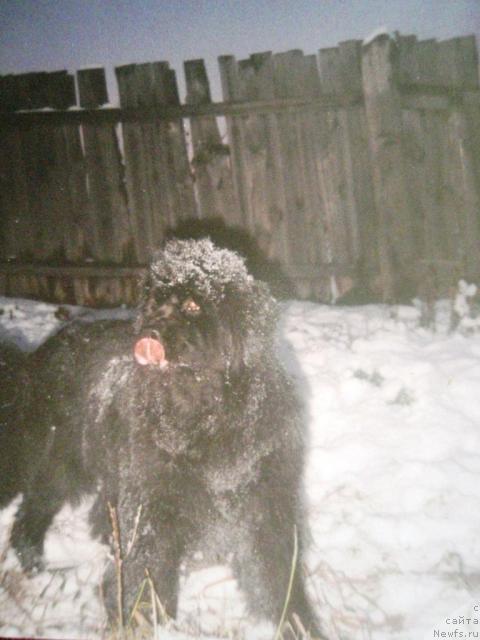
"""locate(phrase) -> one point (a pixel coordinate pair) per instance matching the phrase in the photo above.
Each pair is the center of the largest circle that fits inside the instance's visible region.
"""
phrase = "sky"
(49, 35)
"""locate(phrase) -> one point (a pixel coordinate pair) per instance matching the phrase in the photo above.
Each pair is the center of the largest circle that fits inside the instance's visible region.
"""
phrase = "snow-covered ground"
(393, 486)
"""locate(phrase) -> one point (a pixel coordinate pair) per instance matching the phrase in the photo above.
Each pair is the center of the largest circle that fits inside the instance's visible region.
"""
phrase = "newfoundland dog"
(184, 423)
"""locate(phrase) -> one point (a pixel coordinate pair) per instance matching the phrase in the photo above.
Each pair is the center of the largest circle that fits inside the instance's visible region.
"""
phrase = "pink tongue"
(149, 351)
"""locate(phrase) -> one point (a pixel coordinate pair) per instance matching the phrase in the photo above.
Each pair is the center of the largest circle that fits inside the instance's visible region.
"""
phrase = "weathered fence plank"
(15, 239)
(145, 202)
(158, 175)
(211, 156)
(288, 82)
(345, 171)
(183, 205)
(265, 185)
(361, 218)
(255, 152)
(232, 92)
(107, 233)
(315, 231)
(331, 160)
(46, 159)
(468, 194)
(397, 242)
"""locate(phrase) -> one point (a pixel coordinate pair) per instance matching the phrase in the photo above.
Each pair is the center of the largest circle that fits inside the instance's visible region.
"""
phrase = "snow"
(392, 486)
(376, 33)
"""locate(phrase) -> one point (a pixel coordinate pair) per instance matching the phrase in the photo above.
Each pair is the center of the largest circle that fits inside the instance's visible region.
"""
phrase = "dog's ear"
(251, 314)
(263, 308)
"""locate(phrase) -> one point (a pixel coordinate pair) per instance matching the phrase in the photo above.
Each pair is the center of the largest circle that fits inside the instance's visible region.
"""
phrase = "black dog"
(186, 414)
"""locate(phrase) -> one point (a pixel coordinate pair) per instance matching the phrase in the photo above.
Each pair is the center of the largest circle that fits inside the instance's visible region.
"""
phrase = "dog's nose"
(150, 332)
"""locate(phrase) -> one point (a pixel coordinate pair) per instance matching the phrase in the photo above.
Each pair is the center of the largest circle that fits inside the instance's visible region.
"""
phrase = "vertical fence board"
(345, 170)
(406, 58)
(107, 232)
(180, 180)
(15, 228)
(288, 69)
(211, 157)
(146, 205)
(458, 63)
(352, 144)
(466, 188)
(422, 152)
(329, 65)
(315, 221)
(56, 220)
(266, 189)
(467, 62)
(158, 175)
(44, 154)
(72, 182)
(255, 152)
(397, 243)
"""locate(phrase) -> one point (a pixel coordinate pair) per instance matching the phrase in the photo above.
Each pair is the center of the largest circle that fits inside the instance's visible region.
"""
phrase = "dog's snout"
(149, 332)
(152, 319)
(165, 311)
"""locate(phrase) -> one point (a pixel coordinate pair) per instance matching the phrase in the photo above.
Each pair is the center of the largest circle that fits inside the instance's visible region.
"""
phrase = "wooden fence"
(357, 166)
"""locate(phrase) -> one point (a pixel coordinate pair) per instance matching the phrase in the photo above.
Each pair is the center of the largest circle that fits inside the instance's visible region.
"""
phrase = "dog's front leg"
(43, 498)
(267, 564)
(148, 543)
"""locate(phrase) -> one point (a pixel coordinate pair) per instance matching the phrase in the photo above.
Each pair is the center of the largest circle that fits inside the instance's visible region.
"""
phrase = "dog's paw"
(30, 559)
(29, 554)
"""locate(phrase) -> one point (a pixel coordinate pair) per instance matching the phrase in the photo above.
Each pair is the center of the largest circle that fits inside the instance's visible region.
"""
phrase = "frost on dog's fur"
(200, 264)
(213, 441)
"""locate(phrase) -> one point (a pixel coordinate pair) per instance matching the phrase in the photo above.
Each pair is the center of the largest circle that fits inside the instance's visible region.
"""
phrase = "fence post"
(396, 241)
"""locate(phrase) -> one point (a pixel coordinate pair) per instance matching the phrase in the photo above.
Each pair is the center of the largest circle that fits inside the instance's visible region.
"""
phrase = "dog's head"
(200, 308)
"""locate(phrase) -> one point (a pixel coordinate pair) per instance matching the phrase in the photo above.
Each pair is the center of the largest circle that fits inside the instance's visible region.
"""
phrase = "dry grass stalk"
(118, 564)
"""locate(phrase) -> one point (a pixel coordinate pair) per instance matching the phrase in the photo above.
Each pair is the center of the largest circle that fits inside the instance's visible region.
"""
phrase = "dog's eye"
(190, 307)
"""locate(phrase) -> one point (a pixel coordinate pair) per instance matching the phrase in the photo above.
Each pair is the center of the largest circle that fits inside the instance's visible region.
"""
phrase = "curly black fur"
(211, 442)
